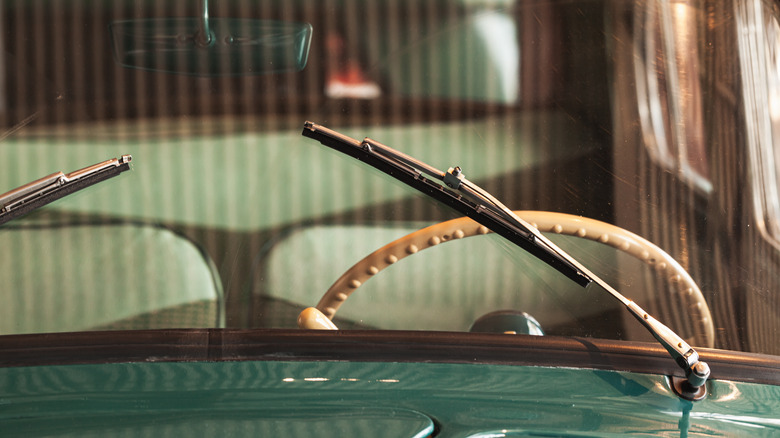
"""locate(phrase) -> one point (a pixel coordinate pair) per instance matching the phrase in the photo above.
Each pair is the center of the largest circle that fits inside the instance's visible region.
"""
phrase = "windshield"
(657, 119)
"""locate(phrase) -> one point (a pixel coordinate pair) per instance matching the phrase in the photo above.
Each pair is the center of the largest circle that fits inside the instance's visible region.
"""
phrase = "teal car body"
(238, 383)
(165, 301)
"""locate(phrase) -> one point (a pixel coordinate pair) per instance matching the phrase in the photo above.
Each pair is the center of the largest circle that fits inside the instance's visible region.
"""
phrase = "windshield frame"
(209, 345)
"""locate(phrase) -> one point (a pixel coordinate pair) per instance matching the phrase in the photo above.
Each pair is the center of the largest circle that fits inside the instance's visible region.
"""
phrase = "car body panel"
(356, 399)
(270, 382)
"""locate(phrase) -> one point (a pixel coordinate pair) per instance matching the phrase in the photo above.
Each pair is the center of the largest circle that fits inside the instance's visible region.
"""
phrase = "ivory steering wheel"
(559, 223)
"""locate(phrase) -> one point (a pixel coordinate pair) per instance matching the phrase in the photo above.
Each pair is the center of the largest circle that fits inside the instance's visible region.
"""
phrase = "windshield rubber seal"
(211, 345)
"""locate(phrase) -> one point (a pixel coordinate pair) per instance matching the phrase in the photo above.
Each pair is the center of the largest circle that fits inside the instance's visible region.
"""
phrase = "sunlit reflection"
(742, 420)
(499, 32)
(343, 379)
(733, 394)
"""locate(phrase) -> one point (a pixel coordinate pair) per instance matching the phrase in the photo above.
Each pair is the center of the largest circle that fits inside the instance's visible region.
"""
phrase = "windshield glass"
(656, 121)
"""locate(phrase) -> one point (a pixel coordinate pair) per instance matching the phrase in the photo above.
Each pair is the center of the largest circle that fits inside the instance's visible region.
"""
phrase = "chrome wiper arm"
(33, 195)
(686, 357)
(487, 210)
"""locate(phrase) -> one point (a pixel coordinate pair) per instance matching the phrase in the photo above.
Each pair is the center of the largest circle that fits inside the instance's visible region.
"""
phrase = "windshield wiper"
(476, 203)
(22, 200)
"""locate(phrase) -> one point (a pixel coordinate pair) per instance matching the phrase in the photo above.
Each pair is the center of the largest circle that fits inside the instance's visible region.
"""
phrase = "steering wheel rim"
(558, 223)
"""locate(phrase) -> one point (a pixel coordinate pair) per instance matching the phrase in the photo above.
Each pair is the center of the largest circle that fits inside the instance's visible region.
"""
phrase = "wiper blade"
(476, 203)
(22, 200)
(411, 172)
(485, 204)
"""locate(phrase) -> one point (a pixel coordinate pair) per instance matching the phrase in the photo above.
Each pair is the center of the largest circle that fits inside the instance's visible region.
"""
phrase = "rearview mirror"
(229, 47)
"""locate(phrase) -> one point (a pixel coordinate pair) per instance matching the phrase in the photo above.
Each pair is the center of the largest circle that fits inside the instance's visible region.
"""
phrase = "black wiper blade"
(411, 172)
(31, 196)
(491, 213)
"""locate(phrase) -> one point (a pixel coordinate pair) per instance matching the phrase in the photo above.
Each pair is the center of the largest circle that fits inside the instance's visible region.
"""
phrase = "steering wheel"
(559, 223)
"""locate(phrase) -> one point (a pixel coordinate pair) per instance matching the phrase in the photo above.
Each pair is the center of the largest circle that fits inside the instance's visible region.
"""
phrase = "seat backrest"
(77, 276)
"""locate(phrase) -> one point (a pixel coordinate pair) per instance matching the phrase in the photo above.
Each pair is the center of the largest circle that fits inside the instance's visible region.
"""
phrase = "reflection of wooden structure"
(575, 126)
(710, 228)
(78, 80)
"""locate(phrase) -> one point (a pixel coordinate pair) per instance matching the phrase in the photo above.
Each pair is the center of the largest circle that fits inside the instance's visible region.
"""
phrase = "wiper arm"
(476, 203)
(22, 200)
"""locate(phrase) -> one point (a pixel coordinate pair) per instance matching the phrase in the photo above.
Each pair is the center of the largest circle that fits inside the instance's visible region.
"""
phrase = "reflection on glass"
(759, 40)
(669, 89)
